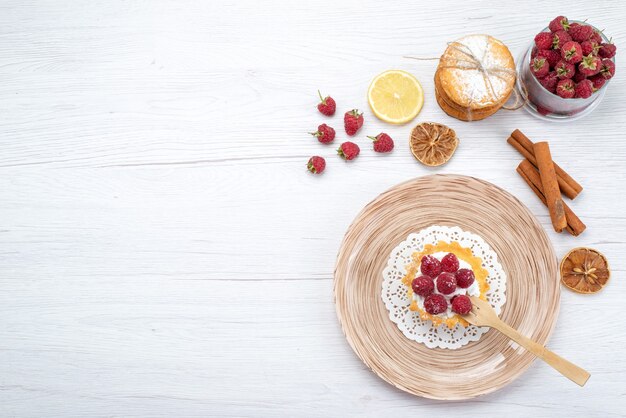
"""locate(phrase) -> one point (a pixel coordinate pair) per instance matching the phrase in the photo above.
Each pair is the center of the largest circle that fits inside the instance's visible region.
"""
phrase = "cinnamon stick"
(531, 176)
(550, 185)
(568, 186)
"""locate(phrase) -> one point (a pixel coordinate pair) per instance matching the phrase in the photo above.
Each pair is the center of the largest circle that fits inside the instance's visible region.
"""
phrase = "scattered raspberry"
(590, 65)
(461, 304)
(565, 88)
(551, 55)
(607, 68)
(327, 105)
(565, 69)
(580, 33)
(543, 40)
(559, 23)
(446, 283)
(464, 278)
(382, 142)
(607, 50)
(560, 38)
(423, 285)
(549, 81)
(430, 266)
(435, 304)
(584, 89)
(353, 120)
(572, 52)
(598, 81)
(539, 67)
(316, 165)
(590, 47)
(324, 134)
(348, 150)
(449, 263)
(578, 77)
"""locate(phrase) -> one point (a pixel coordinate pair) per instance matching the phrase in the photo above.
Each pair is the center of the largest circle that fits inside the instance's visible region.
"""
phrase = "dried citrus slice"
(433, 143)
(585, 270)
(395, 96)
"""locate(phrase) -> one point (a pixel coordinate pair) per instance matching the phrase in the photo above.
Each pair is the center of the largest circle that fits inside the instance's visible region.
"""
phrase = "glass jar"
(549, 106)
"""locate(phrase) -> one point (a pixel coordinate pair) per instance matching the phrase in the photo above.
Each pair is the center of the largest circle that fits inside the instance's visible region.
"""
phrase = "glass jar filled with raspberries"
(566, 70)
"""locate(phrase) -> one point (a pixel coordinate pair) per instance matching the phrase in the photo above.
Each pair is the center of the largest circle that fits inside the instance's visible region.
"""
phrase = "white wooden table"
(163, 251)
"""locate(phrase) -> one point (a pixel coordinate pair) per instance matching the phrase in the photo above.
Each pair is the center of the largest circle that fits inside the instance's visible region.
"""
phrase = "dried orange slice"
(585, 270)
(433, 143)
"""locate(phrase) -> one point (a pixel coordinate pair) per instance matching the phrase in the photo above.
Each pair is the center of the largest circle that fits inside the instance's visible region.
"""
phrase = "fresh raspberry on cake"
(348, 150)
(565, 88)
(449, 263)
(572, 52)
(423, 285)
(324, 134)
(316, 165)
(583, 89)
(549, 81)
(559, 23)
(464, 278)
(590, 65)
(559, 38)
(607, 68)
(607, 50)
(580, 33)
(435, 304)
(551, 55)
(430, 266)
(564, 69)
(446, 283)
(543, 40)
(539, 67)
(461, 304)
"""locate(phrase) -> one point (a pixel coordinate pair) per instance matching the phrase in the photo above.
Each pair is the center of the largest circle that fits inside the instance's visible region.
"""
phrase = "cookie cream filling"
(473, 290)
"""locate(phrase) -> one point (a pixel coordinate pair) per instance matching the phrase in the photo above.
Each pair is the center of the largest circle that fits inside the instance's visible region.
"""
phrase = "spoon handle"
(567, 369)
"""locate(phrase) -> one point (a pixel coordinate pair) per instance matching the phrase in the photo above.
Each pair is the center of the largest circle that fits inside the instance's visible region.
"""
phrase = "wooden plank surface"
(163, 251)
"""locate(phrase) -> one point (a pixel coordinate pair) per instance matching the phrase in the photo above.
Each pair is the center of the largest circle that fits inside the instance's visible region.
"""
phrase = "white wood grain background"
(163, 251)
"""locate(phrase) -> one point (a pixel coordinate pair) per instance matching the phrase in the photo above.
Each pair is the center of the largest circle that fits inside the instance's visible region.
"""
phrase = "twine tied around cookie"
(471, 62)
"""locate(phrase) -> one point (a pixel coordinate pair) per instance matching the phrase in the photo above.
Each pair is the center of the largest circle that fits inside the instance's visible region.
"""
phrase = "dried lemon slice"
(585, 270)
(395, 96)
(433, 143)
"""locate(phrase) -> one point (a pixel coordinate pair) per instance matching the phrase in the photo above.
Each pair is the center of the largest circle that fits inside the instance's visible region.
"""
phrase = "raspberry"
(590, 65)
(430, 266)
(572, 52)
(543, 40)
(348, 150)
(596, 37)
(559, 38)
(423, 285)
(316, 165)
(352, 121)
(324, 134)
(607, 50)
(539, 67)
(580, 33)
(559, 23)
(598, 81)
(549, 81)
(565, 88)
(578, 76)
(583, 89)
(435, 304)
(382, 142)
(327, 105)
(543, 110)
(551, 55)
(607, 68)
(565, 69)
(464, 278)
(590, 47)
(449, 263)
(461, 304)
(446, 283)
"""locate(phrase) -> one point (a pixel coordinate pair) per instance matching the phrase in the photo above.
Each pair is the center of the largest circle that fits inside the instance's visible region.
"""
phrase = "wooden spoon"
(483, 315)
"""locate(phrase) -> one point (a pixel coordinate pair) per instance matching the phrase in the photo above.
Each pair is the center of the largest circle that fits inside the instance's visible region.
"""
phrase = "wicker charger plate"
(474, 205)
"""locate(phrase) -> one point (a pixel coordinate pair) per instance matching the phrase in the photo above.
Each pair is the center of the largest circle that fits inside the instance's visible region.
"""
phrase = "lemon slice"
(395, 96)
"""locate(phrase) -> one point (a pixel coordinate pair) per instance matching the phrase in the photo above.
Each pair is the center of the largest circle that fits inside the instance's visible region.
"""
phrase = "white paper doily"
(394, 292)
